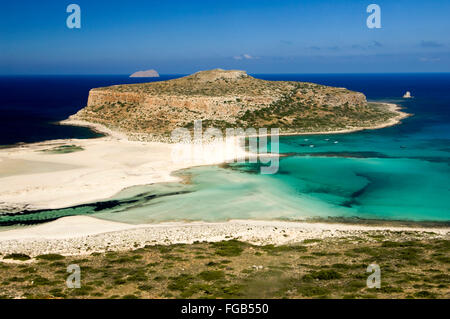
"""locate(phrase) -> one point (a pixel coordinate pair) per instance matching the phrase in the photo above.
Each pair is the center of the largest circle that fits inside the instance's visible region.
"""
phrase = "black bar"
(236, 308)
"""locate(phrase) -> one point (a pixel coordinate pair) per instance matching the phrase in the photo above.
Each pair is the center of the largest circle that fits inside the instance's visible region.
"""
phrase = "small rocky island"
(145, 74)
(222, 99)
(407, 95)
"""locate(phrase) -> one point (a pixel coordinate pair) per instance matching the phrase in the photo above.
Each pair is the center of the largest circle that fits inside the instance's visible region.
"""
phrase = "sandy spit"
(33, 179)
(79, 235)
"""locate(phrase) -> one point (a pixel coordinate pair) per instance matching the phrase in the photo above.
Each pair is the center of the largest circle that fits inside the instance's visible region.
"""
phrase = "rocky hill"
(228, 99)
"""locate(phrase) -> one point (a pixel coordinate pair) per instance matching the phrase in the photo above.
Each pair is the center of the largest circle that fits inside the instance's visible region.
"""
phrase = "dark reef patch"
(31, 217)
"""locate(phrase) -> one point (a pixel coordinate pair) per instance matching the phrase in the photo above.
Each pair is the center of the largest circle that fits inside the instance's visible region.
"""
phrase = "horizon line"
(250, 73)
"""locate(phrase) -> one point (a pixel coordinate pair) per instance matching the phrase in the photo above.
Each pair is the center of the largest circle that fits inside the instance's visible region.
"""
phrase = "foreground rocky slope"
(412, 264)
(228, 99)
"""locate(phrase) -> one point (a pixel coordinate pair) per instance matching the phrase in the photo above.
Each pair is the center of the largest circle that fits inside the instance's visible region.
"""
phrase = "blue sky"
(178, 37)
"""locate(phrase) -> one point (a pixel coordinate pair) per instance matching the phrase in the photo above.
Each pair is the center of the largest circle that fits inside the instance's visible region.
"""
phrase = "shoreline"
(391, 122)
(99, 128)
(395, 108)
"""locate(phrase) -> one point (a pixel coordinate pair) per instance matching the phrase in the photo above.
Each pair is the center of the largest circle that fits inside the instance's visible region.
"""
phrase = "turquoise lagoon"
(400, 184)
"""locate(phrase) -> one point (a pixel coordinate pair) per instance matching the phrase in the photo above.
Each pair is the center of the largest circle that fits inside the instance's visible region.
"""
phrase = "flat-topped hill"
(228, 99)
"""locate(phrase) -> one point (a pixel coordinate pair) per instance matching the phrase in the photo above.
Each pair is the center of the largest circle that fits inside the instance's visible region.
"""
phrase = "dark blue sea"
(30, 106)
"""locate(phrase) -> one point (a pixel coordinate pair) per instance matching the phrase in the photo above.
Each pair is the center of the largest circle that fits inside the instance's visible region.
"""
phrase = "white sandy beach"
(78, 235)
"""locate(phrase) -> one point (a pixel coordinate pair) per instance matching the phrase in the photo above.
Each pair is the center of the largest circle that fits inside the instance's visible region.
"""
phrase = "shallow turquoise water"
(406, 189)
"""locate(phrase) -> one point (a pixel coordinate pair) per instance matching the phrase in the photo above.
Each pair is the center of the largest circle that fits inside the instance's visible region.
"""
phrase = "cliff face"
(225, 99)
(97, 97)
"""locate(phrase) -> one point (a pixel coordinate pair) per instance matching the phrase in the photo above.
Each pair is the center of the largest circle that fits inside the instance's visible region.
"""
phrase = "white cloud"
(430, 59)
(244, 57)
